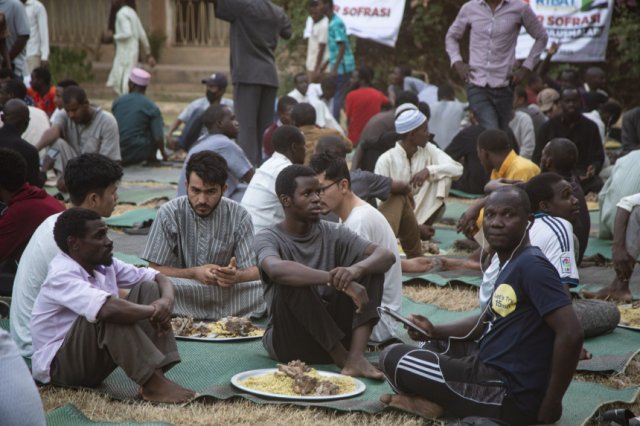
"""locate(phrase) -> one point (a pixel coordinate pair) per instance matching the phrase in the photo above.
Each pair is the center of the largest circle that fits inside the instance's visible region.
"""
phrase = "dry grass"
(234, 412)
(451, 297)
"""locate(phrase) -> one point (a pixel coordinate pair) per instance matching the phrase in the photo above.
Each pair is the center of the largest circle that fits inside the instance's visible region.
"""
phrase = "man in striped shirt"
(203, 242)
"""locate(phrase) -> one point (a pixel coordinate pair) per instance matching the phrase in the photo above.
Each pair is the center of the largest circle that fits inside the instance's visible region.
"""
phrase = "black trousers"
(458, 381)
(306, 325)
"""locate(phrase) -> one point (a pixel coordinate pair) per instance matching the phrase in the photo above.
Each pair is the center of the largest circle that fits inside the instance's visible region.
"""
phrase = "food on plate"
(298, 379)
(226, 328)
(630, 315)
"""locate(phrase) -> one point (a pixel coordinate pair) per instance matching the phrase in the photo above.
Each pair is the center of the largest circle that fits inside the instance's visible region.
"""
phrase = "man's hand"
(549, 412)
(206, 274)
(61, 185)
(171, 143)
(162, 313)
(463, 70)
(342, 277)
(44, 64)
(419, 178)
(151, 61)
(467, 222)
(553, 49)
(358, 294)
(423, 323)
(623, 263)
(519, 76)
(227, 276)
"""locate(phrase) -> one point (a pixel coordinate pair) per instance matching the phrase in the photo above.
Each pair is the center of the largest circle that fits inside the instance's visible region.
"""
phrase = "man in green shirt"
(140, 122)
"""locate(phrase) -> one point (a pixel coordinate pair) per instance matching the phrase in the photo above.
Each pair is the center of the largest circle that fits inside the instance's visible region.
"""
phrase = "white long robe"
(128, 36)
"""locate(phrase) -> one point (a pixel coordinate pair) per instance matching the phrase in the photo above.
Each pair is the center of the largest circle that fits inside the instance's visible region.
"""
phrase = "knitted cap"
(408, 119)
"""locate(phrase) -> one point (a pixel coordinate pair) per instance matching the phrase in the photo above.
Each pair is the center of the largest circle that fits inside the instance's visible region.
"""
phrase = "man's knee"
(145, 292)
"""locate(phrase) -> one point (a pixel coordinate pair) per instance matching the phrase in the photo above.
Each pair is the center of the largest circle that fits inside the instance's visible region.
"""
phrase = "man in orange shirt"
(362, 102)
(41, 91)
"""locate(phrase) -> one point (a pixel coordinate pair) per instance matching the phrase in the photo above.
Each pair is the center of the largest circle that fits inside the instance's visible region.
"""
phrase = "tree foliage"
(421, 44)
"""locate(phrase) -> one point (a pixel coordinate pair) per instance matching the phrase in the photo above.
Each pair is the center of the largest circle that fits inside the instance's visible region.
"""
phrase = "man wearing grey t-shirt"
(315, 272)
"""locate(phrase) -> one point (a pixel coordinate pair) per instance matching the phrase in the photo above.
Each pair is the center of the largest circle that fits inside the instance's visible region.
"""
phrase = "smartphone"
(396, 316)
(52, 152)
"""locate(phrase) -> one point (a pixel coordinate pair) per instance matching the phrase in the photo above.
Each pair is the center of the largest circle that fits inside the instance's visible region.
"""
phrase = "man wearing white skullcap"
(428, 169)
(139, 121)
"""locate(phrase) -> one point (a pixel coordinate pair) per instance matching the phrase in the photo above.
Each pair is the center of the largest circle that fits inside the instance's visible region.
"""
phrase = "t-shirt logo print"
(504, 300)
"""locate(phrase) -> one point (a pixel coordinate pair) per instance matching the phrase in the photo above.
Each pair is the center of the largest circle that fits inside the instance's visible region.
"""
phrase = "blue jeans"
(492, 106)
(342, 86)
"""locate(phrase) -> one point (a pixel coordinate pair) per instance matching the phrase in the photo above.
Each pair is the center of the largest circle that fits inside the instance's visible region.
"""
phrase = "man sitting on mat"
(315, 272)
(82, 330)
(528, 337)
(203, 241)
(625, 250)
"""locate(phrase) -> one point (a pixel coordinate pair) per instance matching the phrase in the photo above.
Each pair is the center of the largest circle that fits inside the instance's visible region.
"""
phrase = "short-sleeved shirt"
(47, 103)
(18, 25)
(100, 135)
(255, 27)
(337, 35)
(69, 292)
(140, 124)
(199, 106)
(237, 162)
(360, 106)
(370, 186)
(318, 35)
(517, 341)
(515, 167)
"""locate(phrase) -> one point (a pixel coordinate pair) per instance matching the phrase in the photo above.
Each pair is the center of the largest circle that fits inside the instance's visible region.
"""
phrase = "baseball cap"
(547, 98)
(216, 79)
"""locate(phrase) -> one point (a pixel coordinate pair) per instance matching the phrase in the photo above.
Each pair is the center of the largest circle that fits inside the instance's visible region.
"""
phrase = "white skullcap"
(408, 119)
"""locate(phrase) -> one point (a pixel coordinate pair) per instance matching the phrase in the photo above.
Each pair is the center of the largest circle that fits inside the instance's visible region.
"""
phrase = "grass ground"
(239, 411)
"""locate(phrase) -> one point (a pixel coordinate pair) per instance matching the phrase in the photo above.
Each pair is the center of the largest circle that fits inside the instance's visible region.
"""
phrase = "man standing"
(494, 27)
(191, 116)
(213, 268)
(82, 330)
(323, 282)
(19, 31)
(368, 223)
(317, 53)
(38, 44)
(92, 181)
(255, 28)
(84, 128)
(220, 122)
(515, 376)
(139, 121)
(341, 60)
(260, 198)
(571, 124)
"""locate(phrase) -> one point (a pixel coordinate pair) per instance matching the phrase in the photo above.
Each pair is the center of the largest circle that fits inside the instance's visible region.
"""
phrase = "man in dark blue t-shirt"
(512, 362)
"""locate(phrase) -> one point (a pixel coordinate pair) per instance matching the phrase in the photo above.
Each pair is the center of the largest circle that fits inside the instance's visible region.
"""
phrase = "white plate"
(235, 381)
(628, 327)
(215, 338)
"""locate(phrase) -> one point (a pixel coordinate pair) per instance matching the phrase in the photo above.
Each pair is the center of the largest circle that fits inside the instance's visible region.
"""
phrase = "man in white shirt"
(300, 93)
(38, 44)
(92, 184)
(625, 250)
(368, 223)
(446, 116)
(82, 330)
(317, 53)
(428, 169)
(260, 198)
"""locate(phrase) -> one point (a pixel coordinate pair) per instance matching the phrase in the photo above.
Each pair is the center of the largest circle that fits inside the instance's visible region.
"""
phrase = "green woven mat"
(443, 278)
(130, 259)
(597, 277)
(69, 415)
(141, 194)
(138, 173)
(461, 194)
(455, 209)
(128, 219)
(584, 399)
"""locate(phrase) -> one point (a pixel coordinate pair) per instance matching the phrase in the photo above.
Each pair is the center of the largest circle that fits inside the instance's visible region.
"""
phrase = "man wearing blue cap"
(191, 116)
(427, 168)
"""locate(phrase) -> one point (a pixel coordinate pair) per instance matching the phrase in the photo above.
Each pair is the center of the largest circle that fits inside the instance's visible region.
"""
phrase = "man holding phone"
(512, 362)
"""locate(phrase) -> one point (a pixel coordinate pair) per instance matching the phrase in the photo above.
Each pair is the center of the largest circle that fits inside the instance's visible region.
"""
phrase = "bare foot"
(160, 389)
(359, 367)
(413, 404)
(609, 293)
(453, 264)
(426, 232)
(585, 354)
(418, 264)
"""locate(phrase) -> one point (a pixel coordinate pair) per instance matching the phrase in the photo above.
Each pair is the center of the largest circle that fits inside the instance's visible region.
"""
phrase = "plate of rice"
(225, 330)
(629, 316)
(296, 381)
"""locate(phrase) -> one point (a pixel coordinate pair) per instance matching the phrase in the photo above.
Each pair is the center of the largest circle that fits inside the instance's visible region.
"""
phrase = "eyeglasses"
(322, 189)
